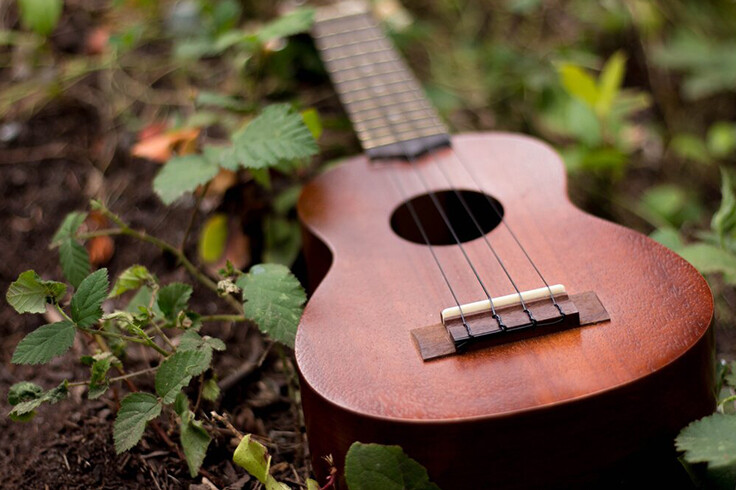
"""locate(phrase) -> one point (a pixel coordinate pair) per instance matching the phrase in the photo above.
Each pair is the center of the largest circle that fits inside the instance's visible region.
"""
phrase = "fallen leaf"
(160, 147)
(96, 41)
(100, 249)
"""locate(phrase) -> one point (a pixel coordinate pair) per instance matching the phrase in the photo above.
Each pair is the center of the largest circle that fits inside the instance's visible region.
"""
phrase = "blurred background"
(639, 97)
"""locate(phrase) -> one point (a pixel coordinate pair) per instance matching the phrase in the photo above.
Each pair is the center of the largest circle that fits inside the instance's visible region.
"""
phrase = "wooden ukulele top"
(354, 348)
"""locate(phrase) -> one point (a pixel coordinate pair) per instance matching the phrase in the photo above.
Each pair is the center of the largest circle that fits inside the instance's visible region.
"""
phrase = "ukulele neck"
(385, 103)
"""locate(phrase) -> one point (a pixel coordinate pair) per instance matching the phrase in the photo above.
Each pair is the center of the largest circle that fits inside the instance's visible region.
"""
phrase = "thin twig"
(193, 216)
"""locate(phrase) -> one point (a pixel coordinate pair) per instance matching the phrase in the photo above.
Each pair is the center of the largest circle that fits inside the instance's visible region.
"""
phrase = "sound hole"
(437, 231)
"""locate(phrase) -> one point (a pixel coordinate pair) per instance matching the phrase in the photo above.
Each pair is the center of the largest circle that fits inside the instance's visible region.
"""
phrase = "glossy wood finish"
(552, 409)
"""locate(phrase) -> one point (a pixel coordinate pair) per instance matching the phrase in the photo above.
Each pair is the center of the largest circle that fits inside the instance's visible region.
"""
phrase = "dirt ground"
(69, 445)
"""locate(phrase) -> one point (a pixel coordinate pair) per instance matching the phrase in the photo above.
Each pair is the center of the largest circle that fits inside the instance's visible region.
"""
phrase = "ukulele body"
(552, 410)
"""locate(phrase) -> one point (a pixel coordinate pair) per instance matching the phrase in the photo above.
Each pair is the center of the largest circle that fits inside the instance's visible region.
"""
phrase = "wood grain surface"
(569, 403)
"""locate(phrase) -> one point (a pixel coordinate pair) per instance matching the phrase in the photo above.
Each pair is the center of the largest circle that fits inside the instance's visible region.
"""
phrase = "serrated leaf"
(579, 83)
(52, 396)
(68, 227)
(254, 458)
(23, 392)
(211, 390)
(294, 22)
(181, 404)
(183, 174)
(176, 371)
(194, 441)
(709, 259)
(174, 298)
(274, 300)
(74, 261)
(98, 380)
(40, 16)
(609, 83)
(277, 134)
(709, 440)
(136, 410)
(724, 220)
(374, 467)
(29, 293)
(45, 343)
(86, 305)
(131, 278)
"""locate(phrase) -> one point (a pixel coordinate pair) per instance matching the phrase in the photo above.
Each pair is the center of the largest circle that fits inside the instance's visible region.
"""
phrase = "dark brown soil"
(69, 445)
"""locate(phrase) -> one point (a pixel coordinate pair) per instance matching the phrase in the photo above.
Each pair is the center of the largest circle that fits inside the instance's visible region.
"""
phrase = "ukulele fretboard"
(384, 101)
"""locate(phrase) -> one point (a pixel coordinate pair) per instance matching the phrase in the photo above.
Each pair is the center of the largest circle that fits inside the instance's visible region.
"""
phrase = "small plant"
(158, 316)
(367, 467)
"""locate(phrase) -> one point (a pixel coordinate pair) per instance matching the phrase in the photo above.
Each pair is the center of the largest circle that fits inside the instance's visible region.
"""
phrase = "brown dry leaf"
(224, 180)
(159, 147)
(100, 248)
(97, 40)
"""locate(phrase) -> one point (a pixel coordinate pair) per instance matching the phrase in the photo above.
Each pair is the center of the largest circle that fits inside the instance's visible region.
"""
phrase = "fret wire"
(382, 49)
(409, 111)
(376, 122)
(326, 47)
(386, 131)
(383, 95)
(377, 129)
(337, 80)
(352, 30)
(393, 140)
(365, 105)
(359, 84)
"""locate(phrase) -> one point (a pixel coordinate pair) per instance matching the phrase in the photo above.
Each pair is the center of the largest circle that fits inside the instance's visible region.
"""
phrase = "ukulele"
(462, 308)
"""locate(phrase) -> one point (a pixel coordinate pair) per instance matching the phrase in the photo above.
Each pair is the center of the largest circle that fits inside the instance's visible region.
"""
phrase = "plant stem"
(193, 216)
(126, 230)
(163, 335)
(119, 378)
(222, 318)
(127, 338)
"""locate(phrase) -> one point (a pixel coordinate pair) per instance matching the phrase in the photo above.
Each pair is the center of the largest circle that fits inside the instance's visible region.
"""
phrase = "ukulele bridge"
(514, 317)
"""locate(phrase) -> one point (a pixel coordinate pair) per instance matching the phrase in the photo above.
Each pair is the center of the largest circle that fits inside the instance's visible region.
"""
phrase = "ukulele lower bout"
(568, 403)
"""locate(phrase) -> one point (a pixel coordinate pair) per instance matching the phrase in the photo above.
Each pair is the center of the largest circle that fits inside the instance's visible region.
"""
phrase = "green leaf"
(709, 440)
(24, 409)
(609, 83)
(374, 467)
(176, 371)
(23, 392)
(174, 298)
(74, 261)
(136, 410)
(724, 220)
(213, 238)
(282, 240)
(132, 278)
(277, 134)
(295, 22)
(690, 147)
(183, 174)
(86, 305)
(312, 485)
(210, 390)
(98, 380)
(29, 293)
(578, 83)
(709, 259)
(669, 237)
(194, 441)
(254, 458)
(68, 227)
(40, 16)
(273, 299)
(181, 404)
(45, 343)
(312, 121)
(721, 139)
